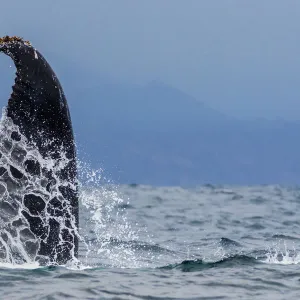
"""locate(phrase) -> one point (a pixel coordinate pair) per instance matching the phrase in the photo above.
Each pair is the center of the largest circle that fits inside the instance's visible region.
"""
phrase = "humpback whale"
(38, 172)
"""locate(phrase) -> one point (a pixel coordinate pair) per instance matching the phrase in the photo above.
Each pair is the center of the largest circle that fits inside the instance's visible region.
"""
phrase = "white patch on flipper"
(16, 247)
(35, 54)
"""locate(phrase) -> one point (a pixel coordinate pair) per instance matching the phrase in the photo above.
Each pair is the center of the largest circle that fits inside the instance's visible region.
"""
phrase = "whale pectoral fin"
(39, 110)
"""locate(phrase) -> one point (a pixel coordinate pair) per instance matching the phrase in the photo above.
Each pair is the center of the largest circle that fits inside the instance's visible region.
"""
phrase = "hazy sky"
(241, 57)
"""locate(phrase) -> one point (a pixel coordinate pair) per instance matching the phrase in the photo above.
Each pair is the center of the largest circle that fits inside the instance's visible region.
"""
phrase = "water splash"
(110, 238)
(106, 236)
(280, 254)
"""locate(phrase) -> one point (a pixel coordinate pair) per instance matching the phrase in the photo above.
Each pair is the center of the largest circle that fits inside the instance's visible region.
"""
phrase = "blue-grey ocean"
(145, 242)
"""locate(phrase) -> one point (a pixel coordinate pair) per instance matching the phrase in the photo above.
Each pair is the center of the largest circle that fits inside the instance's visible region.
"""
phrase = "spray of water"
(279, 253)
(108, 234)
(105, 234)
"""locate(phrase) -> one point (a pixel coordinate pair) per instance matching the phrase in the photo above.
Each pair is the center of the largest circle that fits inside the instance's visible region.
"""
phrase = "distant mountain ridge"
(149, 107)
(158, 135)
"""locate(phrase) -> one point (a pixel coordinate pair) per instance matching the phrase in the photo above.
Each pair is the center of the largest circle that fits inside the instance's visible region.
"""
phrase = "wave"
(200, 265)
(138, 245)
(225, 242)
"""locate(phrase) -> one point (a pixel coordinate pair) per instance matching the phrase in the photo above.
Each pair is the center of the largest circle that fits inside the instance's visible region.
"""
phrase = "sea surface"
(144, 242)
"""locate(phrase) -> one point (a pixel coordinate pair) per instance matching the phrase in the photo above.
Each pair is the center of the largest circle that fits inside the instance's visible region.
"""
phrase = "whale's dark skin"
(39, 108)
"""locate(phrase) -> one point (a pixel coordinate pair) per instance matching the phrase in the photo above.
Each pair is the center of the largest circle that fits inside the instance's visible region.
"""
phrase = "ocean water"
(144, 242)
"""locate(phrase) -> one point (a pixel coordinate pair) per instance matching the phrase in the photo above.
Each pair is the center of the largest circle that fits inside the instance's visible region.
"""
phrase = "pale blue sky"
(241, 57)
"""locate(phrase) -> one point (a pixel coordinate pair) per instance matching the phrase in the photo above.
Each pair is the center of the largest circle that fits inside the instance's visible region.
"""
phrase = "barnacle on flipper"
(13, 39)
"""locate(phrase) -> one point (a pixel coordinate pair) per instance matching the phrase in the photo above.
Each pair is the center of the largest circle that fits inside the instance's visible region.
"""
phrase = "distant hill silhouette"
(156, 134)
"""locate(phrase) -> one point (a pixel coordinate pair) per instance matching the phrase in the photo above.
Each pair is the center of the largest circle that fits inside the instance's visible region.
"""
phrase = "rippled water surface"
(145, 242)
